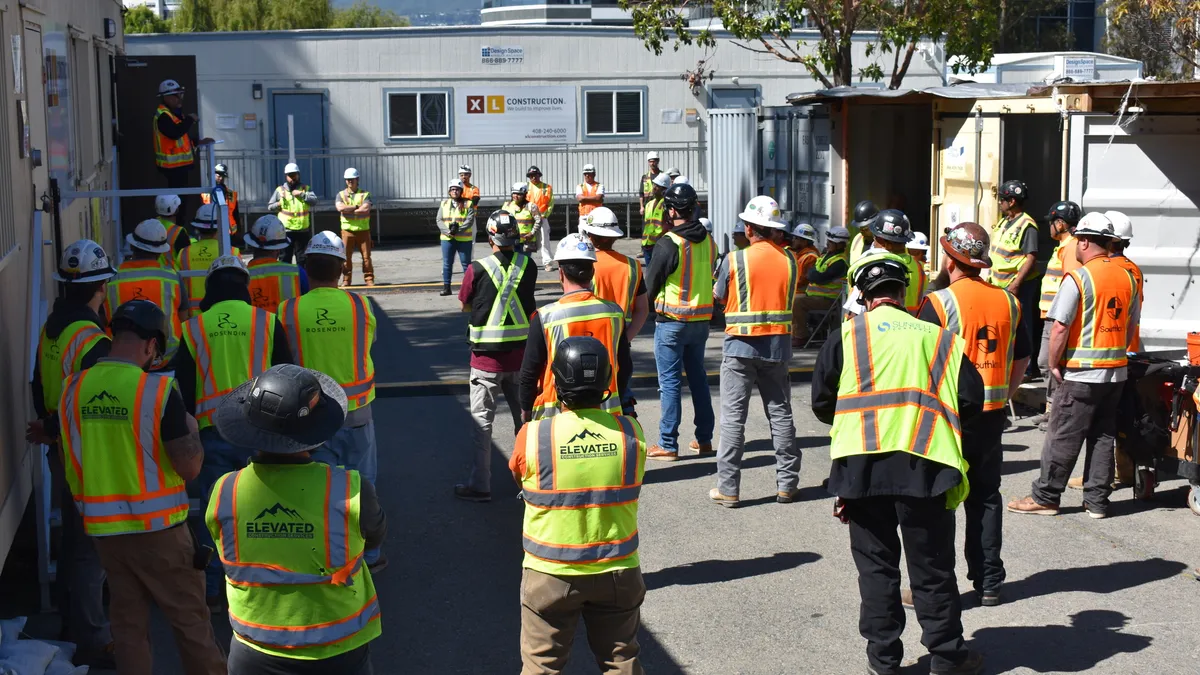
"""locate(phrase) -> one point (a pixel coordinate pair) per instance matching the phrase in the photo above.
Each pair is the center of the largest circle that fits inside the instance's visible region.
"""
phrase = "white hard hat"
(1122, 225)
(84, 262)
(168, 87)
(764, 212)
(267, 233)
(575, 246)
(707, 224)
(207, 217)
(149, 236)
(454, 184)
(662, 180)
(520, 188)
(653, 154)
(673, 172)
(589, 168)
(838, 234)
(805, 231)
(326, 243)
(465, 168)
(919, 242)
(681, 180)
(228, 262)
(166, 205)
(350, 173)
(601, 222)
(1095, 224)
(291, 167)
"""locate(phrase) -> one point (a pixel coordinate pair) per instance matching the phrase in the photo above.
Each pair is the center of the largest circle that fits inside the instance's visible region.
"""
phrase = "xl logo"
(224, 322)
(475, 105)
(323, 318)
(495, 105)
(1114, 309)
(988, 339)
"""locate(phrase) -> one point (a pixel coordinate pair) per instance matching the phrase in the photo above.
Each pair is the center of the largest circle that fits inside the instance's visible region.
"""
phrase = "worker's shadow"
(1109, 578)
(716, 571)
(1094, 636)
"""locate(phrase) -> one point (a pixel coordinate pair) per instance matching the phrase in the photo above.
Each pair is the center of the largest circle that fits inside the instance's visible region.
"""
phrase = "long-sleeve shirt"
(447, 226)
(185, 365)
(836, 270)
(274, 205)
(537, 358)
(172, 130)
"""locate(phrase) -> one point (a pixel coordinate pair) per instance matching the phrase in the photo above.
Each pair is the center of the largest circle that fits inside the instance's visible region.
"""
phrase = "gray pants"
(485, 393)
(738, 378)
(1081, 412)
(1043, 361)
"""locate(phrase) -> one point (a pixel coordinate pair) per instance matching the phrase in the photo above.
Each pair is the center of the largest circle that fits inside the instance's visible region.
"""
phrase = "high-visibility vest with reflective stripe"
(1135, 340)
(525, 221)
(858, 244)
(687, 295)
(289, 540)
(915, 292)
(173, 231)
(805, 258)
(616, 280)
(898, 392)
(586, 190)
(987, 319)
(294, 212)
(116, 464)
(171, 153)
(652, 221)
(1062, 262)
(193, 263)
(583, 476)
(832, 288)
(1005, 253)
(470, 192)
(1098, 336)
(355, 222)
(648, 184)
(507, 321)
(148, 280)
(458, 216)
(332, 331)
(231, 200)
(231, 344)
(272, 282)
(543, 196)
(762, 286)
(60, 357)
(579, 313)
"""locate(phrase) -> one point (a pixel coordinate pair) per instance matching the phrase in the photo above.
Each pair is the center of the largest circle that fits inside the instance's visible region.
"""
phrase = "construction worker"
(231, 197)
(194, 260)
(1094, 313)
(677, 180)
(757, 285)
(581, 531)
(578, 312)
(131, 446)
(293, 202)
(988, 320)
(589, 194)
(618, 277)
(860, 232)
(739, 235)
(654, 215)
(529, 219)
(332, 330)
(72, 340)
(1014, 252)
(167, 209)
(895, 390)
(456, 222)
(174, 151)
(825, 281)
(271, 281)
(646, 184)
(679, 278)
(1062, 219)
(1122, 235)
(891, 232)
(918, 249)
(673, 174)
(470, 191)
(497, 292)
(228, 343)
(146, 277)
(803, 248)
(542, 194)
(299, 598)
(354, 215)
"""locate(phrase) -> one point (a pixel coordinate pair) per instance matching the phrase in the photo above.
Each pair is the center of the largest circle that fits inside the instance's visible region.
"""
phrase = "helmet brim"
(601, 230)
(251, 243)
(977, 263)
(233, 422)
(134, 243)
(91, 278)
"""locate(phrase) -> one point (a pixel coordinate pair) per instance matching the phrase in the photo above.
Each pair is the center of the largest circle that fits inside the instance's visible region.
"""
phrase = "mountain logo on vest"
(325, 323)
(987, 338)
(1114, 309)
(579, 447)
(104, 406)
(279, 522)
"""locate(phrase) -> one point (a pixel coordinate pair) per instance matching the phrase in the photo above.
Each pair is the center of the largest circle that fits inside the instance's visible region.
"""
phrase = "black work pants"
(245, 660)
(1029, 295)
(926, 527)
(1082, 414)
(984, 508)
(297, 244)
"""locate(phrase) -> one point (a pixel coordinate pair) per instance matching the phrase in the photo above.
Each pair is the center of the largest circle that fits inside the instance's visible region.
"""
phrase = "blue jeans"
(353, 448)
(220, 458)
(647, 253)
(449, 248)
(679, 347)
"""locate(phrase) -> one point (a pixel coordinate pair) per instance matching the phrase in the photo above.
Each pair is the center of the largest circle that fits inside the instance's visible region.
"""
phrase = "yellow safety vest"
(859, 244)
(458, 217)
(61, 357)
(332, 331)
(583, 475)
(898, 392)
(1056, 268)
(231, 344)
(168, 259)
(171, 153)
(507, 321)
(294, 212)
(687, 295)
(1006, 254)
(652, 221)
(289, 539)
(116, 464)
(355, 222)
(193, 263)
(525, 221)
(830, 289)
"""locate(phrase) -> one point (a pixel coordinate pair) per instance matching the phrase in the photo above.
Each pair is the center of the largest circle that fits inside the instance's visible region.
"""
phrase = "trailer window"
(614, 113)
(417, 114)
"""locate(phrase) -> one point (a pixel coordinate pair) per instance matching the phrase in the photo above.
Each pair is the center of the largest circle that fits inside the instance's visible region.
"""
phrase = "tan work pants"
(610, 604)
(156, 567)
(360, 241)
(802, 305)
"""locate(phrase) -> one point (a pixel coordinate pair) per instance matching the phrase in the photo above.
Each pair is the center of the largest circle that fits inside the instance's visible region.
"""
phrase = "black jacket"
(665, 259)
(63, 315)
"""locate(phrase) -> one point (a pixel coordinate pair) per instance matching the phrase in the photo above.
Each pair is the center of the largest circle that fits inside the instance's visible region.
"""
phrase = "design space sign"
(515, 116)
(497, 56)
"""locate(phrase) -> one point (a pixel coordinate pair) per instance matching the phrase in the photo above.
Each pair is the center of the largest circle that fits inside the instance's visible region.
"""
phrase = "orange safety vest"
(231, 200)
(762, 286)
(617, 279)
(805, 259)
(148, 280)
(586, 190)
(170, 153)
(1135, 340)
(470, 192)
(987, 319)
(1098, 336)
(272, 282)
(543, 196)
(578, 313)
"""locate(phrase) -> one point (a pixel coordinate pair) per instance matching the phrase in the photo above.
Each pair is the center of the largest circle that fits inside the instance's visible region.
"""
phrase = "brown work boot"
(1076, 483)
(788, 496)
(347, 281)
(702, 448)
(657, 452)
(906, 598)
(1030, 506)
(370, 281)
(715, 496)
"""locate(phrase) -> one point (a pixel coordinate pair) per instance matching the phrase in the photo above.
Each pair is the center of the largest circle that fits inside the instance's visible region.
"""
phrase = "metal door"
(968, 170)
(308, 117)
(741, 97)
(795, 164)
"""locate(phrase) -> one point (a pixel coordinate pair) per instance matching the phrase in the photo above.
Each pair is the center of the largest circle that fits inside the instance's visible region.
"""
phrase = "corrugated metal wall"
(794, 147)
(732, 168)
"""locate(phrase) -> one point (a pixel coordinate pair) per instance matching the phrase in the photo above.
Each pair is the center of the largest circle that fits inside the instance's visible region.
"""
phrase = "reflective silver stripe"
(998, 394)
(504, 334)
(189, 273)
(290, 329)
(363, 349)
(740, 273)
(75, 347)
(941, 359)
(582, 554)
(683, 310)
(260, 344)
(545, 448)
(301, 636)
(225, 518)
(73, 429)
(859, 332)
(135, 508)
(274, 576)
(574, 499)
(506, 305)
(561, 312)
(360, 389)
(869, 403)
(195, 330)
(631, 450)
(950, 309)
(336, 519)
(1096, 354)
(154, 404)
(758, 317)
(1087, 314)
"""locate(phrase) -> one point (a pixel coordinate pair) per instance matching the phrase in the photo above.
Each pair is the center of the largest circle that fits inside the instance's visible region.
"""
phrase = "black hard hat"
(532, 170)
(144, 318)
(891, 225)
(1066, 211)
(864, 211)
(877, 268)
(285, 410)
(681, 197)
(502, 228)
(1013, 189)
(581, 365)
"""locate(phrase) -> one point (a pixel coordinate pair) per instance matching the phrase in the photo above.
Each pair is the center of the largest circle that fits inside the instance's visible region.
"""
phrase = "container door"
(968, 170)
(307, 110)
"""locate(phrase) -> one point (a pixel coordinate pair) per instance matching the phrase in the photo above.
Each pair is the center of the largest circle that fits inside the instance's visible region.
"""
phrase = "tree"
(202, 16)
(194, 16)
(969, 28)
(142, 19)
(364, 15)
(1160, 33)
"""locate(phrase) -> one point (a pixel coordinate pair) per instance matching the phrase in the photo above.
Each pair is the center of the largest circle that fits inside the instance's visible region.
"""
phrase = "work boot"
(102, 658)
(715, 496)
(657, 452)
(990, 598)
(788, 496)
(468, 494)
(972, 665)
(445, 290)
(1076, 483)
(702, 448)
(1030, 506)
(906, 600)
(370, 281)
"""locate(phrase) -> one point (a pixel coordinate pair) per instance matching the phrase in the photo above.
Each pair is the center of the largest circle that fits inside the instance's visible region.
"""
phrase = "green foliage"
(194, 16)
(364, 15)
(142, 19)
(200, 16)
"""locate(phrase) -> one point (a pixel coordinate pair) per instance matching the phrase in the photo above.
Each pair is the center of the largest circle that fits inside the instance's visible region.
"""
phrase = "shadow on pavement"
(1110, 578)
(717, 571)
(1014, 466)
(1092, 637)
